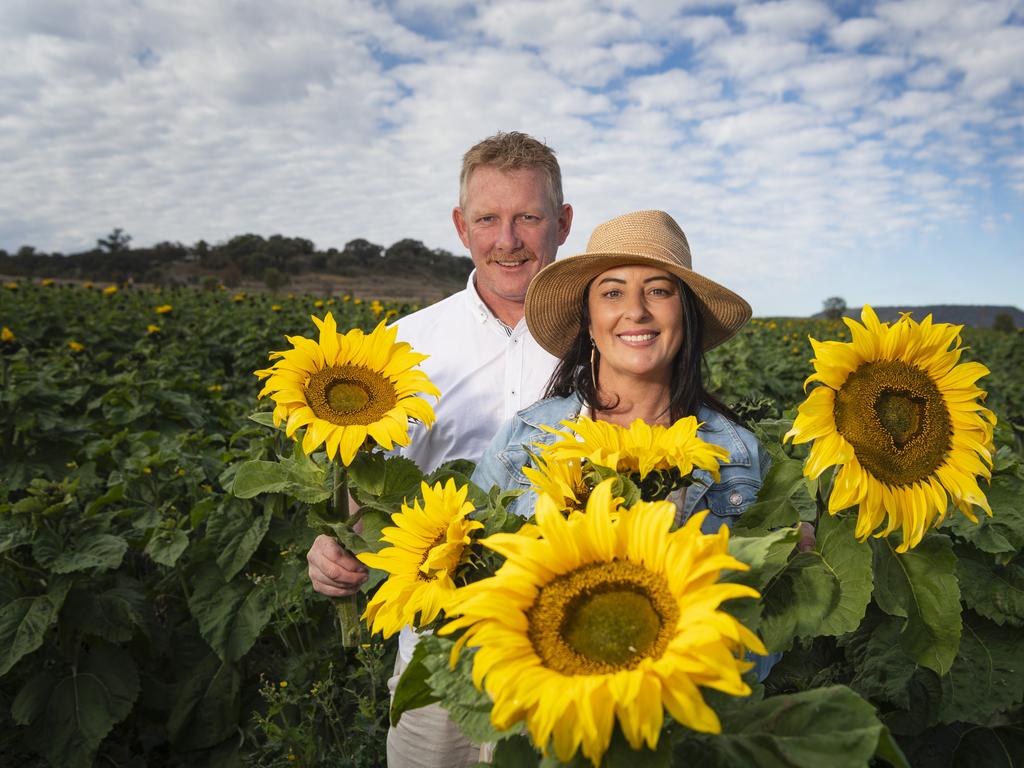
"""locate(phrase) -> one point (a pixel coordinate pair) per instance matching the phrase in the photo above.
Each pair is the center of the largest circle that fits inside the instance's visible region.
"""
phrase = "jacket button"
(735, 498)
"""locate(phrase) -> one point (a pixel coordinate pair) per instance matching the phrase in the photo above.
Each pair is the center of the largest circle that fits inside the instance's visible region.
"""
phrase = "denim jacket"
(503, 461)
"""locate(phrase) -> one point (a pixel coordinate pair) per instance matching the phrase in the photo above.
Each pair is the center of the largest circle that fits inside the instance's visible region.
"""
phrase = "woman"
(630, 321)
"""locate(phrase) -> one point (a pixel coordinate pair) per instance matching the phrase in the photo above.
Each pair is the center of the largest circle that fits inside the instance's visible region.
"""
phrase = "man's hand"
(332, 569)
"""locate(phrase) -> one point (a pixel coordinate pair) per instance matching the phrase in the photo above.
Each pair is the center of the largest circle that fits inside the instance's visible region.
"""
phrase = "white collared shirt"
(485, 375)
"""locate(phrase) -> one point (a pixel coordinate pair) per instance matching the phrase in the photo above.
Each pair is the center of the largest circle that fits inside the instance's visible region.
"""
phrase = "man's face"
(512, 231)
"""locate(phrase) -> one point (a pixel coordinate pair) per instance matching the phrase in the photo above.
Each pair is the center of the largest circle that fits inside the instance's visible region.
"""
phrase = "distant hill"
(976, 315)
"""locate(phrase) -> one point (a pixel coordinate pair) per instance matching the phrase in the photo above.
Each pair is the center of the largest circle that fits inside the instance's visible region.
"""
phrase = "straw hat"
(649, 238)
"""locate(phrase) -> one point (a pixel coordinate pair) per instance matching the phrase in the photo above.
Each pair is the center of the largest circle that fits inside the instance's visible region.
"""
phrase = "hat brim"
(554, 299)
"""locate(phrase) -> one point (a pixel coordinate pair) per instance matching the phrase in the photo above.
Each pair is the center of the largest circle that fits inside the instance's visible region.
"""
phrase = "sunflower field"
(156, 609)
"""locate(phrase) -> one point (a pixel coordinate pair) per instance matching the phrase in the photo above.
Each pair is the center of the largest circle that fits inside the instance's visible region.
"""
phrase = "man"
(512, 218)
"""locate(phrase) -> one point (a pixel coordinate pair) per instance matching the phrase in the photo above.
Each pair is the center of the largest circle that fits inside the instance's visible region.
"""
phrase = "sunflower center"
(350, 394)
(894, 416)
(602, 617)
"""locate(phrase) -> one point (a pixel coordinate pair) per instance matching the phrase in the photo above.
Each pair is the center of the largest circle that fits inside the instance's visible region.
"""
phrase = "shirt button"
(735, 498)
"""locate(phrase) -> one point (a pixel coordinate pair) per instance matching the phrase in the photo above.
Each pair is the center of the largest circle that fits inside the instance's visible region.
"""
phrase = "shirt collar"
(483, 313)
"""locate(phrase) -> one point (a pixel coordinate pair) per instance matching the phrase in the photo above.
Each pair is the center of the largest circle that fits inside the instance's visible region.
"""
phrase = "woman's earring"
(593, 363)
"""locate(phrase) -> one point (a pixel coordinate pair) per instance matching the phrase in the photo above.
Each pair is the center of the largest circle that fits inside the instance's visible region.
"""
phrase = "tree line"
(243, 257)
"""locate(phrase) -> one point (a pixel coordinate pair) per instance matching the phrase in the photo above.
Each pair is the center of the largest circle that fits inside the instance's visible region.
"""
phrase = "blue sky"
(873, 151)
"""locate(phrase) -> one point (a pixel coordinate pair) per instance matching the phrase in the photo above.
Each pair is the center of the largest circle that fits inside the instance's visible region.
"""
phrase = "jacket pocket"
(513, 458)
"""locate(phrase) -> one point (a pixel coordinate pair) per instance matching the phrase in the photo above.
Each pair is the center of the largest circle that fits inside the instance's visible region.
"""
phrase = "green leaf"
(235, 530)
(988, 674)
(990, 747)
(921, 587)
(114, 493)
(14, 533)
(31, 700)
(885, 674)
(994, 591)
(766, 555)
(383, 482)
(116, 614)
(777, 502)
(24, 622)
(85, 704)
(266, 418)
(850, 562)
(206, 705)
(102, 551)
(468, 707)
(798, 601)
(301, 478)
(231, 615)
(412, 691)
(821, 592)
(515, 752)
(166, 545)
(822, 727)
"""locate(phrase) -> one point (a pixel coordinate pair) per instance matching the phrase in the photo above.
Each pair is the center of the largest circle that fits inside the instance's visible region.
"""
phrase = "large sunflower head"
(428, 542)
(903, 420)
(348, 387)
(605, 616)
(639, 449)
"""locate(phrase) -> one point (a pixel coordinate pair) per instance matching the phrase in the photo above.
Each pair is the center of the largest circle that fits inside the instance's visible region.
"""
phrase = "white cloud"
(785, 18)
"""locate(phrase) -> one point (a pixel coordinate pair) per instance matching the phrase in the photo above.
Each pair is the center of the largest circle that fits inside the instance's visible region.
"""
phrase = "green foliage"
(920, 586)
(153, 590)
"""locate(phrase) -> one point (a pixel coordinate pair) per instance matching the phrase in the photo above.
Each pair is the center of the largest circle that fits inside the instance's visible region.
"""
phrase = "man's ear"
(564, 223)
(460, 225)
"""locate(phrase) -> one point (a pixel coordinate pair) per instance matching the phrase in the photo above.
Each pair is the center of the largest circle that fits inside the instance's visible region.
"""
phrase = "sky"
(868, 150)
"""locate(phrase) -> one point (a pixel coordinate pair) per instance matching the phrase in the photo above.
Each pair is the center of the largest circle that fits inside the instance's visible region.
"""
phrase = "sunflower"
(428, 544)
(605, 616)
(348, 387)
(638, 449)
(562, 480)
(902, 419)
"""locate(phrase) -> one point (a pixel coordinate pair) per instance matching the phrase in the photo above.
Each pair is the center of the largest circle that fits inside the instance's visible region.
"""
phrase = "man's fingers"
(332, 570)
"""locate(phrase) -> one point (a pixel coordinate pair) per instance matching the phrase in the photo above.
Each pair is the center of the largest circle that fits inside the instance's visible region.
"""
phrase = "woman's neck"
(645, 400)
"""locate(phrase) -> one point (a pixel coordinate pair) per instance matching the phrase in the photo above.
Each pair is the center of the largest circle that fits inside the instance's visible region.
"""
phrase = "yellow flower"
(74, 346)
(428, 542)
(11, 285)
(275, 307)
(561, 480)
(46, 282)
(164, 309)
(346, 297)
(376, 307)
(357, 301)
(318, 303)
(214, 388)
(346, 388)
(7, 335)
(902, 420)
(88, 284)
(639, 449)
(608, 616)
(110, 290)
(238, 297)
(151, 329)
(283, 684)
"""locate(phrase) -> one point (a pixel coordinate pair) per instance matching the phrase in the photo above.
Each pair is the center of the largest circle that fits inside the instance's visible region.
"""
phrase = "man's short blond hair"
(513, 151)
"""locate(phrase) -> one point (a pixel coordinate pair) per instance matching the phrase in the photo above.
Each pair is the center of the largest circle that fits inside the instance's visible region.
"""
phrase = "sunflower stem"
(347, 608)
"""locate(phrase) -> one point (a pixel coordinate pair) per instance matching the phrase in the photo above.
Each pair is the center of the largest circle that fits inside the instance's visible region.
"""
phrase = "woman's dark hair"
(573, 373)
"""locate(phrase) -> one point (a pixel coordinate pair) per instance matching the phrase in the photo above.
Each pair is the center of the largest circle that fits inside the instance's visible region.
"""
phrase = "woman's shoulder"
(549, 411)
(743, 446)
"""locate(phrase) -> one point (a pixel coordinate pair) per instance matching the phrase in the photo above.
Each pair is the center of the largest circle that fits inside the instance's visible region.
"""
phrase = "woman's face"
(636, 321)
